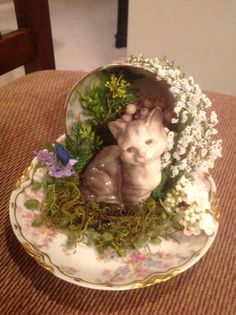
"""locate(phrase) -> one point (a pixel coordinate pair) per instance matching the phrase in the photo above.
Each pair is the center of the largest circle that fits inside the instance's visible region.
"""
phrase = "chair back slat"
(16, 49)
(31, 45)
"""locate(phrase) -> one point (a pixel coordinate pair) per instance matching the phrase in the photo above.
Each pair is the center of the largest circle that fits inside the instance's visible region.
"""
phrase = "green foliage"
(104, 99)
(31, 204)
(82, 144)
(106, 226)
(50, 147)
(161, 189)
(38, 165)
(38, 221)
(35, 186)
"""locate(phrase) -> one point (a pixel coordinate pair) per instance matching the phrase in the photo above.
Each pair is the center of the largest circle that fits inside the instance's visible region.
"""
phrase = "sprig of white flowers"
(191, 149)
(190, 201)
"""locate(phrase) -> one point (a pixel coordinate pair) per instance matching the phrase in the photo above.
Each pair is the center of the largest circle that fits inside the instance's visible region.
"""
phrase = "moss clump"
(104, 225)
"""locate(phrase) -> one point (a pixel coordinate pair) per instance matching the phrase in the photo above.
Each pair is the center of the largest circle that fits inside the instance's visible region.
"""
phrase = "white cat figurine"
(130, 171)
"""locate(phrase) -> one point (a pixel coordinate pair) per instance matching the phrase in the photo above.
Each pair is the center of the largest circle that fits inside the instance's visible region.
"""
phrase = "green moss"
(106, 226)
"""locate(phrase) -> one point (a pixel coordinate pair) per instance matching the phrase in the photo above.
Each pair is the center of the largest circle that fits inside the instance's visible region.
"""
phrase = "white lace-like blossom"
(166, 157)
(207, 223)
(190, 200)
(194, 149)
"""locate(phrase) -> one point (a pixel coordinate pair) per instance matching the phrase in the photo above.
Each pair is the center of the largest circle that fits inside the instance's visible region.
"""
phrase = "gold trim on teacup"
(215, 208)
(39, 257)
(24, 176)
(157, 279)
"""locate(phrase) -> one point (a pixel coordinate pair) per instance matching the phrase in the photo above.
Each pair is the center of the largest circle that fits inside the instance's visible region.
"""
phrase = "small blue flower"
(62, 154)
(58, 164)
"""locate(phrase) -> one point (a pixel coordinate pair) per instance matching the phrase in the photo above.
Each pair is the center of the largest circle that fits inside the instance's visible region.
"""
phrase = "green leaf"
(107, 236)
(156, 241)
(36, 186)
(38, 165)
(49, 179)
(72, 236)
(32, 204)
(64, 222)
(156, 193)
(38, 221)
(71, 146)
(94, 235)
(50, 147)
(77, 130)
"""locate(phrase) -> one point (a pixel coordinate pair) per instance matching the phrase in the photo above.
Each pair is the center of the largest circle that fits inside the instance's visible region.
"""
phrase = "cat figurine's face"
(141, 141)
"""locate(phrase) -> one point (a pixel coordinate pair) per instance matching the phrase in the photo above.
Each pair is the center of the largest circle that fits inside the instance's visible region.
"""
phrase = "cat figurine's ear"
(155, 116)
(117, 128)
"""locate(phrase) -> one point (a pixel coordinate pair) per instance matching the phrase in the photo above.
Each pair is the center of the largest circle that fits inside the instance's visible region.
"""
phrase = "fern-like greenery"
(104, 99)
(83, 144)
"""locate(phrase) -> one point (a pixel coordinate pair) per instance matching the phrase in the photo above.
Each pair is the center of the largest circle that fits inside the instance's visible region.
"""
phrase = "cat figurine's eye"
(149, 141)
(130, 149)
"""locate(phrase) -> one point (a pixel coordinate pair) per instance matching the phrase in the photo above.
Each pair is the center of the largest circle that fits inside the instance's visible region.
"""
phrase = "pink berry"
(144, 112)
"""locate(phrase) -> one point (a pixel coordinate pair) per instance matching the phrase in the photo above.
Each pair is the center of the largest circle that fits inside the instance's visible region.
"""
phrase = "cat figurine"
(128, 172)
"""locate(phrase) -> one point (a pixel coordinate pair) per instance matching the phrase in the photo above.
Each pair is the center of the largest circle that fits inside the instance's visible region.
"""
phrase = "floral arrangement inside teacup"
(133, 166)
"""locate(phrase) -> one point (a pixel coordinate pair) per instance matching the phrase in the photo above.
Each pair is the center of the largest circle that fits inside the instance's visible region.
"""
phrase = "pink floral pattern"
(140, 266)
(41, 235)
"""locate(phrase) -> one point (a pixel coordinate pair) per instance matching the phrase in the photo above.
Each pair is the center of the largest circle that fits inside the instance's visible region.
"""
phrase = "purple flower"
(45, 157)
(56, 168)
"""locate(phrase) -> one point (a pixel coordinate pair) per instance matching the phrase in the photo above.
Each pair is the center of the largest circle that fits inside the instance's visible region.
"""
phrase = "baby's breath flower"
(191, 148)
(184, 117)
(191, 201)
(213, 118)
(207, 223)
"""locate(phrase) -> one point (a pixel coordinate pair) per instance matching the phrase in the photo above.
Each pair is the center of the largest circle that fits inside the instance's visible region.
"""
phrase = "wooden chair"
(31, 45)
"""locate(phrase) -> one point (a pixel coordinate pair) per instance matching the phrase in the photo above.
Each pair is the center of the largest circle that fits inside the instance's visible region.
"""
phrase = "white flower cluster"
(190, 149)
(190, 201)
(166, 157)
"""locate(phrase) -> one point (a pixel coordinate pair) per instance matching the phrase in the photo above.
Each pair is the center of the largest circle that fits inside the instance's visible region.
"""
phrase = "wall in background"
(200, 36)
(83, 34)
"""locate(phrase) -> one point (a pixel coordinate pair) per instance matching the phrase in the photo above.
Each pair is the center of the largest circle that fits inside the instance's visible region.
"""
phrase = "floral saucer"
(81, 265)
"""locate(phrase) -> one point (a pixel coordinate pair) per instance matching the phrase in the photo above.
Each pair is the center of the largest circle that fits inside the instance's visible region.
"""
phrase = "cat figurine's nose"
(142, 154)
